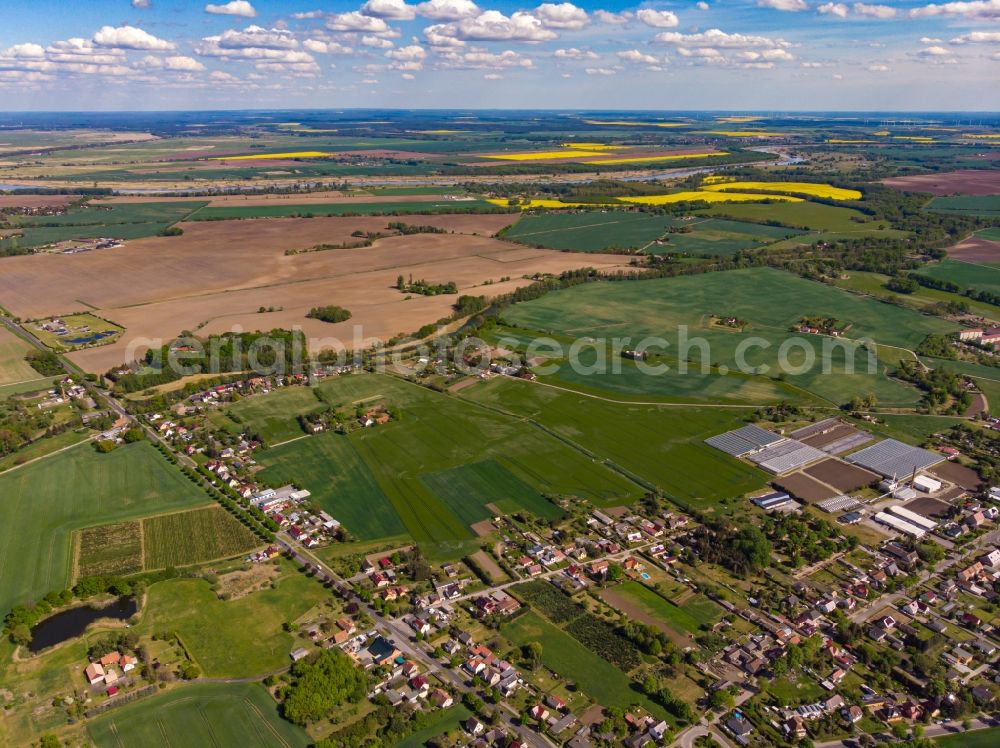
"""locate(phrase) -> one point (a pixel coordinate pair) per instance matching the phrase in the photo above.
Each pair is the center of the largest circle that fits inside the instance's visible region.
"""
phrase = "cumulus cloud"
(182, 63)
(561, 16)
(719, 38)
(491, 25)
(987, 10)
(882, 12)
(141, 4)
(24, 52)
(235, 8)
(658, 19)
(483, 59)
(572, 53)
(448, 10)
(354, 21)
(378, 42)
(256, 44)
(600, 71)
(701, 6)
(326, 48)
(877, 68)
(976, 37)
(395, 10)
(493, 77)
(613, 19)
(255, 36)
(833, 9)
(787, 5)
(634, 55)
(130, 37)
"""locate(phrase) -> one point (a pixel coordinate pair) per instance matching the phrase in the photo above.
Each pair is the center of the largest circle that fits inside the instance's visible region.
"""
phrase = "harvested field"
(840, 475)
(219, 274)
(486, 563)
(958, 474)
(976, 249)
(960, 182)
(803, 487)
(35, 201)
(928, 507)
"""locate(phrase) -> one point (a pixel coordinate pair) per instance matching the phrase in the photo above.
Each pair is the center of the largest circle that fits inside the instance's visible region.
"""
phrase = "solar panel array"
(744, 440)
(787, 456)
(892, 458)
(847, 443)
(839, 504)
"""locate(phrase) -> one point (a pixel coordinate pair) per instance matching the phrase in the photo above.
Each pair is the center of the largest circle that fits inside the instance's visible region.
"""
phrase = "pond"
(71, 623)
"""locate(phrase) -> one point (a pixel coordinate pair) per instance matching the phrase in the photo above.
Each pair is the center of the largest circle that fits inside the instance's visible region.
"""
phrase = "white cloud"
(211, 46)
(448, 10)
(878, 68)
(307, 15)
(934, 40)
(396, 10)
(934, 52)
(599, 71)
(882, 12)
(255, 36)
(356, 21)
(222, 76)
(701, 6)
(370, 40)
(833, 9)
(987, 10)
(493, 77)
(561, 16)
(788, 5)
(718, 38)
(411, 52)
(634, 55)
(482, 59)
(24, 52)
(658, 19)
(573, 53)
(491, 25)
(141, 4)
(235, 8)
(182, 63)
(976, 37)
(613, 19)
(408, 76)
(326, 48)
(130, 37)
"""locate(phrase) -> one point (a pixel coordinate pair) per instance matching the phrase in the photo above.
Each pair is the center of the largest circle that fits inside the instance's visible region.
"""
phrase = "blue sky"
(728, 54)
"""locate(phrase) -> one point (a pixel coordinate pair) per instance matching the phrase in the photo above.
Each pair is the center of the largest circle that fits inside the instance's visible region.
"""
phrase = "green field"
(601, 230)
(690, 617)
(331, 469)
(13, 367)
(991, 234)
(185, 538)
(109, 550)
(966, 275)
(678, 310)
(235, 715)
(81, 331)
(564, 655)
(434, 433)
(238, 638)
(42, 503)
(975, 739)
(983, 206)
(874, 284)
(805, 215)
(91, 220)
(443, 721)
(662, 445)
(467, 489)
(273, 416)
(339, 209)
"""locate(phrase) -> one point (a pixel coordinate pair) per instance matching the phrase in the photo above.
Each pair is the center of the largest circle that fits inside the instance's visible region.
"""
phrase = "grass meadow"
(770, 301)
(965, 274)
(13, 367)
(984, 206)
(689, 617)
(210, 714)
(45, 501)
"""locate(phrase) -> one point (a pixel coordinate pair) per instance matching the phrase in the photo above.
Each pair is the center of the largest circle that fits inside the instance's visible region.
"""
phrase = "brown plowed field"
(218, 275)
(840, 475)
(958, 474)
(960, 182)
(35, 201)
(803, 487)
(976, 249)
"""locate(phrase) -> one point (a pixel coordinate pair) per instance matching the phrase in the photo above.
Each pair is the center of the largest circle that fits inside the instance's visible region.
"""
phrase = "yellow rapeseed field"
(802, 188)
(849, 142)
(569, 153)
(268, 156)
(914, 138)
(543, 203)
(594, 146)
(736, 120)
(985, 136)
(708, 197)
(642, 159)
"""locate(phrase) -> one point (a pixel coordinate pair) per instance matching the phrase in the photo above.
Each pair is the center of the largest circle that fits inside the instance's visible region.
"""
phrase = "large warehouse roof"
(741, 441)
(787, 456)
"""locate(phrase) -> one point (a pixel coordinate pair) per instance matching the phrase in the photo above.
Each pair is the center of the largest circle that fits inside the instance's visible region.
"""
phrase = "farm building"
(786, 456)
(900, 524)
(913, 517)
(772, 500)
(926, 484)
(894, 459)
(744, 441)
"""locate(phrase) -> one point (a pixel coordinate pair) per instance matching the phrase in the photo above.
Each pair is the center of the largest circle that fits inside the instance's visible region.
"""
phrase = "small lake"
(73, 622)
